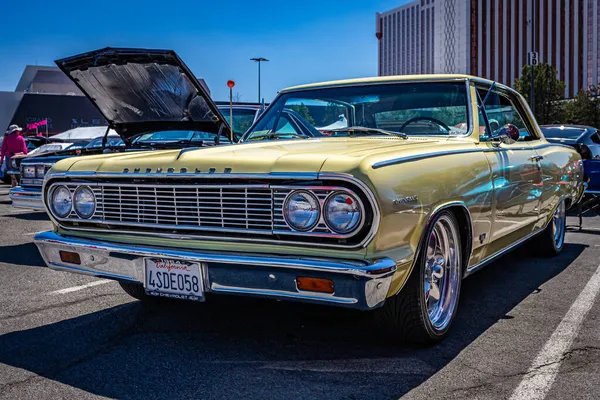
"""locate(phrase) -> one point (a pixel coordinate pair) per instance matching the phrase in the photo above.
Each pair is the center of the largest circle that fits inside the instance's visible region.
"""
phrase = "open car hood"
(140, 90)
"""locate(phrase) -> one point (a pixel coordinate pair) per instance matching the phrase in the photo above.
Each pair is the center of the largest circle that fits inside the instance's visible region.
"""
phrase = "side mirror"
(508, 134)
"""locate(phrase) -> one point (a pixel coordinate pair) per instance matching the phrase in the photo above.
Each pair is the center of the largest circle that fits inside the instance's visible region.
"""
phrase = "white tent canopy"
(87, 133)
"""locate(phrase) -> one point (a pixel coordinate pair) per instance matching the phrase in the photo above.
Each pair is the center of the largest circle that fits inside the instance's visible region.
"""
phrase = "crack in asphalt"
(504, 377)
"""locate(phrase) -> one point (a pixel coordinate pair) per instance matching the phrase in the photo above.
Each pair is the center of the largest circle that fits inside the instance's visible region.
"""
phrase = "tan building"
(492, 38)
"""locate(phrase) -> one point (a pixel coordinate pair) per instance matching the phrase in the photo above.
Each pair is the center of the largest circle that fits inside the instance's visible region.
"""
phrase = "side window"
(500, 111)
(284, 125)
(595, 138)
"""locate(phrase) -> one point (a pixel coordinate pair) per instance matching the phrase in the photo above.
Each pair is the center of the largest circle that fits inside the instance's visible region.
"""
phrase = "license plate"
(174, 278)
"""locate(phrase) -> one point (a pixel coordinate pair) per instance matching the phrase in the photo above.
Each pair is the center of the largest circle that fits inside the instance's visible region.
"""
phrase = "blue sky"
(306, 40)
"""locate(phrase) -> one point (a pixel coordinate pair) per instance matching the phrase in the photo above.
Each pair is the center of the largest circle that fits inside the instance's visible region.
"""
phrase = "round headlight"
(84, 202)
(342, 212)
(301, 210)
(40, 171)
(62, 202)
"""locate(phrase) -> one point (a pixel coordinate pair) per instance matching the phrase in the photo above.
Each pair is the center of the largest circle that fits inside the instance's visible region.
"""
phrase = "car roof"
(387, 79)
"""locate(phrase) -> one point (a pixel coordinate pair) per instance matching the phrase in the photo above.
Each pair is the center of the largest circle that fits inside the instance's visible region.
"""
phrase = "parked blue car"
(586, 140)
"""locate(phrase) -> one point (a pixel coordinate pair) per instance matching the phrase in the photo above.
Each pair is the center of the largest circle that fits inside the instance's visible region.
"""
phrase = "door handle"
(536, 158)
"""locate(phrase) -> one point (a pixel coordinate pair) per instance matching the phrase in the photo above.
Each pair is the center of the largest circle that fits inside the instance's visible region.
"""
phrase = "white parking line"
(542, 373)
(76, 288)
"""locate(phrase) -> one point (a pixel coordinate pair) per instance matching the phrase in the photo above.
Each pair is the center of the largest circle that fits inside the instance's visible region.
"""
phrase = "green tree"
(585, 108)
(548, 90)
(304, 112)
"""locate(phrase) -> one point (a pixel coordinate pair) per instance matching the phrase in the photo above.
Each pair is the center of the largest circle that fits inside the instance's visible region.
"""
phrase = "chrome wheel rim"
(441, 280)
(558, 224)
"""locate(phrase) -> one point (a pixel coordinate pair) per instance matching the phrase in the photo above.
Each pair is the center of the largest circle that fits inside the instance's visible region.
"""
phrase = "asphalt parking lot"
(527, 328)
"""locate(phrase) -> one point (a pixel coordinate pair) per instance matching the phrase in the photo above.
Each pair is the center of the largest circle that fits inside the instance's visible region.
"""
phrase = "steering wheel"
(423, 118)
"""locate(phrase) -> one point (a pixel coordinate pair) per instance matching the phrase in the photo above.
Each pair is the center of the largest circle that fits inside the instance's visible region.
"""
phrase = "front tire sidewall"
(435, 334)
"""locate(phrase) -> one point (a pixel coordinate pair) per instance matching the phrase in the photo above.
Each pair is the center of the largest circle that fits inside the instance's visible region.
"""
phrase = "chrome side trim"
(512, 246)
(500, 253)
(417, 157)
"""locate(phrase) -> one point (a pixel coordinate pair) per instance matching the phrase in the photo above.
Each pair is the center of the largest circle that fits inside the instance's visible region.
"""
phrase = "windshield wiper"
(277, 135)
(370, 130)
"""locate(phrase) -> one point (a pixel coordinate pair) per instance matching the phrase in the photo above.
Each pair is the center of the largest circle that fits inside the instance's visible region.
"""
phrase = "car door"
(516, 171)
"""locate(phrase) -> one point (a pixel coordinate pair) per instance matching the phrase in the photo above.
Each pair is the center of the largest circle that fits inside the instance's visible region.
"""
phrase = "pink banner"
(31, 127)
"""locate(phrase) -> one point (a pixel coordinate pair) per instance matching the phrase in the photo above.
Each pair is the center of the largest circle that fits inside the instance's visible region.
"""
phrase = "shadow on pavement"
(257, 349)
(21, 254)
(30, 216)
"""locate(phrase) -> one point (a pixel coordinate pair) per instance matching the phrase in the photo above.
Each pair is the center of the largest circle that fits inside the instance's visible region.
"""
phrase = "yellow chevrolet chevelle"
(376, 194)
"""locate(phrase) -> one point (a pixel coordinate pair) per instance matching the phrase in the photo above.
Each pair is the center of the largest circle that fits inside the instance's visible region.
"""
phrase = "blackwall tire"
(415, 315)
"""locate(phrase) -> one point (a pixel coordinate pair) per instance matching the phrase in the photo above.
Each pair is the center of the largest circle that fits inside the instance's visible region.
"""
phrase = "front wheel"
(425, 308)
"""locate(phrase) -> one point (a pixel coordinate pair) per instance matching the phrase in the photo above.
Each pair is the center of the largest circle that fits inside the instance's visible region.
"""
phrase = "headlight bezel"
(79, 190)
(37, 170)
(359, 206)
(28, 167)
(315, 221)
(52, 201)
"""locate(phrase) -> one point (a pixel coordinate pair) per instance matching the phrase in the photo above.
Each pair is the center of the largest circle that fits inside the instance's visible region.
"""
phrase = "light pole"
(259, 60)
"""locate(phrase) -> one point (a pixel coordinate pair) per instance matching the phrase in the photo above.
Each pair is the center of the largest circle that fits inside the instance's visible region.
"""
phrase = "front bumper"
(359, 284)
(26, 198)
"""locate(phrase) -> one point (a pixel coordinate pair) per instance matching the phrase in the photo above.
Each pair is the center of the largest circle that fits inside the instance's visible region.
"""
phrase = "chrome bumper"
(26, 198)
(357, 284)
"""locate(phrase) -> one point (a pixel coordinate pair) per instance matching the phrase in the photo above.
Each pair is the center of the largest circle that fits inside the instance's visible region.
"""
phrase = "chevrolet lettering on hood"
(376, 194)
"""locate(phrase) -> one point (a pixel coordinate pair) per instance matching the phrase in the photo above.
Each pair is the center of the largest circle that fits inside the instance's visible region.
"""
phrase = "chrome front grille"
(210, 208)
(226, 210)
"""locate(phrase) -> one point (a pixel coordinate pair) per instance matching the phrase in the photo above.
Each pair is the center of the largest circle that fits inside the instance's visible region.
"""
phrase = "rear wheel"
(551, 241)
(425, 308)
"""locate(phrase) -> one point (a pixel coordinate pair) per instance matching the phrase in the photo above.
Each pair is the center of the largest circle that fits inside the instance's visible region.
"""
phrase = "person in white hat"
(12, 144)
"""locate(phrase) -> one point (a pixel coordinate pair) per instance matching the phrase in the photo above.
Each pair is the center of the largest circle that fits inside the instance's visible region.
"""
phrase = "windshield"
(242, 119)
(425, 108)
(47, 148)
(177, 136)
(110, 141)
(77, 145)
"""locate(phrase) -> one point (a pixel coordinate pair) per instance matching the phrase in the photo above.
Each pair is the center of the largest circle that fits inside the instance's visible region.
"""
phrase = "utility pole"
(259, 60)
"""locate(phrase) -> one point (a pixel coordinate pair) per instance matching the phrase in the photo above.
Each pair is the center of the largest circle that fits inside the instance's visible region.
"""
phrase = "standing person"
(13, 144)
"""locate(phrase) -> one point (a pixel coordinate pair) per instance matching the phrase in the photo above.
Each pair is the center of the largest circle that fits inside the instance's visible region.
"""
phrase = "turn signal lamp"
(314, 284)
(70, 257)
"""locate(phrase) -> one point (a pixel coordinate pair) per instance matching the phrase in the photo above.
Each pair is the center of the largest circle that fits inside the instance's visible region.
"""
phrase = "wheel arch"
(465, 228)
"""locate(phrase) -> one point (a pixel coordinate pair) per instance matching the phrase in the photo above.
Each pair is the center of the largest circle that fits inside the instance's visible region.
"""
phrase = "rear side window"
(595, 138)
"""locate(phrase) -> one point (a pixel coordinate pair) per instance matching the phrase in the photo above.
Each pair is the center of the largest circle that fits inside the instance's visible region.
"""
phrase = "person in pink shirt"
(13, 144)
